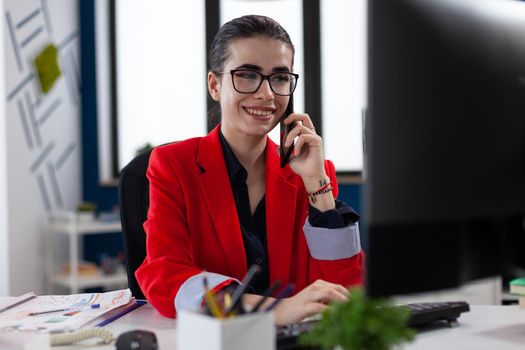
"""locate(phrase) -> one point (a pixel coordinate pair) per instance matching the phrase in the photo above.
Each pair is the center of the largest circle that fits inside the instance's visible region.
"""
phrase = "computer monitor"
(444, 192)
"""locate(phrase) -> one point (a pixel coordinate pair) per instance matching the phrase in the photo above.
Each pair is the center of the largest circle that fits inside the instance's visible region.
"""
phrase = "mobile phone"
(286, 152)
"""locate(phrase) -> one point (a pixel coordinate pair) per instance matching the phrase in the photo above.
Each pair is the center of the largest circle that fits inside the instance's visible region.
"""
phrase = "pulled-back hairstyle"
(249, 26)
(244, 27)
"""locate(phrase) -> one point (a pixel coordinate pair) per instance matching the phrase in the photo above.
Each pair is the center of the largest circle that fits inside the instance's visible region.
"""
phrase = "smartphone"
(286, 152)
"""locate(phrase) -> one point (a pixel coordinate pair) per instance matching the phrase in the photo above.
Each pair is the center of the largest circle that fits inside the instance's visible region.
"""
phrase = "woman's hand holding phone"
(308, 146)
(302, 148)
(308, 157)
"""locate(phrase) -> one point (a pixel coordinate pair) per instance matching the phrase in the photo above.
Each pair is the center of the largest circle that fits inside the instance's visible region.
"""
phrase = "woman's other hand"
(310, 301)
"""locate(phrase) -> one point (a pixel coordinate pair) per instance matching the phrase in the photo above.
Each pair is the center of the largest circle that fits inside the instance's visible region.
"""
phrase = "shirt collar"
(235, 167)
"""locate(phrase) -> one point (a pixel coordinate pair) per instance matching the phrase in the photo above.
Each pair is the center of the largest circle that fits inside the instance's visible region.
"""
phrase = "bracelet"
(324, 189)
(323, 184)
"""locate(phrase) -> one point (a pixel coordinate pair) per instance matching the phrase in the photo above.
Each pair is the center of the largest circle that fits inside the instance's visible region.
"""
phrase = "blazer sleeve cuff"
(332, 244)
(191, 292)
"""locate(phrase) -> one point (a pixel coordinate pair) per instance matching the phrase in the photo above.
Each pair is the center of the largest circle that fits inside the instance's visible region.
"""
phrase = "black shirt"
(253, 228)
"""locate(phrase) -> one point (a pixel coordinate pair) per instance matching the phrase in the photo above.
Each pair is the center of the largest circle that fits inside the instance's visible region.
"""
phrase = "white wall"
(4, 242)
(43, 132)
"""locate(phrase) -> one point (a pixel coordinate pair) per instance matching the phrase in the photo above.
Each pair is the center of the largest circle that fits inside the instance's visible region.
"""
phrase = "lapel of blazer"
(216, 187)
(281, 197)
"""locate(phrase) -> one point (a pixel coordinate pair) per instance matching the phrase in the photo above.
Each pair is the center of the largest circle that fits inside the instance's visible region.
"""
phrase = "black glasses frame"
(263, 78)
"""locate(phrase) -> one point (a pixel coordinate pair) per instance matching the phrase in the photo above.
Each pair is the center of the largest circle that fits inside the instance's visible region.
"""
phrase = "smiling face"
(254, 114)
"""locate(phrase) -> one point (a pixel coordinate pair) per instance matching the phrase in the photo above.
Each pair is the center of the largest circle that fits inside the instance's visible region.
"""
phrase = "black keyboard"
(287, 335)
(420, 314)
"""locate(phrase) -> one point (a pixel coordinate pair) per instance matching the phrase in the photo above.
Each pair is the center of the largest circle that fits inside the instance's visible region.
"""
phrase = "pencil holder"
(249, 331)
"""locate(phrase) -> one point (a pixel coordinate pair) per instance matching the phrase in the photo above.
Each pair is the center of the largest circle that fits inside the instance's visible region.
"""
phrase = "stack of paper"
(517, 287)
(62, 313)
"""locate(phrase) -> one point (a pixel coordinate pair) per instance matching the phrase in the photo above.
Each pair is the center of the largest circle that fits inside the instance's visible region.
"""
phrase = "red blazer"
(193, 225)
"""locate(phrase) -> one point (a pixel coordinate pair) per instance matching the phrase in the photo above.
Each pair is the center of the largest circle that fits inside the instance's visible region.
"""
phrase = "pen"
(46, 312)
(227, 300)
(205, 283)
(268, 292)
(239, 291)
(22, 299)
(211, 303)
(92, 306)
(83, 307)
(282, 294)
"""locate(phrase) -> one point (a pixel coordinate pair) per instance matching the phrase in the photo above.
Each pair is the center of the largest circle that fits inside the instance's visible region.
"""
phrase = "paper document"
(55, 313)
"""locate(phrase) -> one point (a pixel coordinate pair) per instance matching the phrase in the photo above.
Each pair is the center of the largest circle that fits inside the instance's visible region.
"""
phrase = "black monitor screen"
(445, 142)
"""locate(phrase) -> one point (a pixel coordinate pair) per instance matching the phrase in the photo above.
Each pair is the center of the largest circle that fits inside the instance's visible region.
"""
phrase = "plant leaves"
(362, 323)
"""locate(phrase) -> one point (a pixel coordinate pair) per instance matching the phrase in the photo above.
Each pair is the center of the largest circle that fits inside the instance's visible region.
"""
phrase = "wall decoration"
(46, 64)
(30, 86)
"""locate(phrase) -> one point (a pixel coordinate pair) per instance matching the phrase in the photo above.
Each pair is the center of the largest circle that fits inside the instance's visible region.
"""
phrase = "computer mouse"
(137, 340)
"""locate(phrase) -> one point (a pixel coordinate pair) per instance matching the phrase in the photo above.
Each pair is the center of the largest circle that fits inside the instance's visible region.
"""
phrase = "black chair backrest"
(134, 204)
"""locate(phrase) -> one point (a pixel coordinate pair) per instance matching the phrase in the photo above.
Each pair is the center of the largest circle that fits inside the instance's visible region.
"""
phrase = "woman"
(220, 203)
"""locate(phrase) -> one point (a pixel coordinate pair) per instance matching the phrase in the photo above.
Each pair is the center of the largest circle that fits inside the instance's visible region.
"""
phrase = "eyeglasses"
(249, 81)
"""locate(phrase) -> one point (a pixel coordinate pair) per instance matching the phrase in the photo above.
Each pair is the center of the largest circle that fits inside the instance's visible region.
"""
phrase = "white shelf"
(75, 226)
(84, 228)
(92, 281)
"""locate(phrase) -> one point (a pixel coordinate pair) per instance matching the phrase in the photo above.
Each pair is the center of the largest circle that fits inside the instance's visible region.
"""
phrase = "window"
(161, 72)
(344, 74)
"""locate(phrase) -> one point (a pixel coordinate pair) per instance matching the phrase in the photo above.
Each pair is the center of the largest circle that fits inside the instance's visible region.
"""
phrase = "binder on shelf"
(517, 287)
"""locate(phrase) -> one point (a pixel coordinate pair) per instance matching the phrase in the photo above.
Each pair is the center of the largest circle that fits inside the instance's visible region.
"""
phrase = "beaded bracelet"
(325, 189)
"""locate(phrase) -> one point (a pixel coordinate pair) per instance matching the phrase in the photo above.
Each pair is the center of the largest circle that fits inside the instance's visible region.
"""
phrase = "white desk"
(483, 328)
(145, 317)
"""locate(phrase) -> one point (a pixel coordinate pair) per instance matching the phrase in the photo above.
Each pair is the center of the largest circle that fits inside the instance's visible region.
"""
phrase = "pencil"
(212, 305)
(46, 312)
(209, 298)
(282, 294)
(22, 299)
(227, 300)
(267, 293)
(239, 291)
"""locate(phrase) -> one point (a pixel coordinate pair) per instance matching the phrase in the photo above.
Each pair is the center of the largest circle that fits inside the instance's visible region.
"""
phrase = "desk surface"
(485, 327)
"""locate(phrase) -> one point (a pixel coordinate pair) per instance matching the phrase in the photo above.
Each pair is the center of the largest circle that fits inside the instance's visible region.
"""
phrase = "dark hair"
(244, 27)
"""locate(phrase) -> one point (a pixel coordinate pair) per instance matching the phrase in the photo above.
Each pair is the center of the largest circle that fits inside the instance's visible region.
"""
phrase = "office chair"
(134, 204)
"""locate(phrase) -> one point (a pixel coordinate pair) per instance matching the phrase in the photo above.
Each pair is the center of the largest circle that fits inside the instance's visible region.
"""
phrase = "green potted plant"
(144, 148)
(362, 323)
(86, 211)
